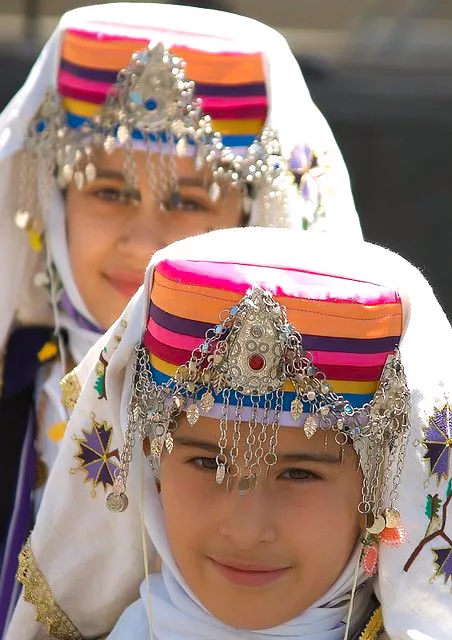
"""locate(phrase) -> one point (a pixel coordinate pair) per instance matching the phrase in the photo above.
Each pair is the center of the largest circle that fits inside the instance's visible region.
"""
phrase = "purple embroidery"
(438, 441)
(302, 159)
(101, 369)
(443, 563)
(94, 454)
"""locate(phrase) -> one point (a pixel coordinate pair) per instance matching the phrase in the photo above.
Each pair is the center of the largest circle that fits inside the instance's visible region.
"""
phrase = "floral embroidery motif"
(310, 170)
(122, 328)
(70, 390)
(443, 563)
(101, 368)
(438, 442)
(94, 455)
(102, 364)
(38, 593)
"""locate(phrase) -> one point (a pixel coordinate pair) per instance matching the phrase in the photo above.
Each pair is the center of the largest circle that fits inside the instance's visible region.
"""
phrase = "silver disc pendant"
(117, 502)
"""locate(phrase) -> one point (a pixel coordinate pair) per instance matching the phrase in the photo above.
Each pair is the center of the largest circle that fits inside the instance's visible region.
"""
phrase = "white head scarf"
(292, 114)
(91, 560)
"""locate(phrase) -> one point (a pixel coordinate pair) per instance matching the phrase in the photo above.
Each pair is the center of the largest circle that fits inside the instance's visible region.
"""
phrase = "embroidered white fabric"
(93, 559)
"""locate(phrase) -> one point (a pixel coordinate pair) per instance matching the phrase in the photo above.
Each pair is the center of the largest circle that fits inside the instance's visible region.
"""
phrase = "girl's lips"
(126, 284)
(248, 577)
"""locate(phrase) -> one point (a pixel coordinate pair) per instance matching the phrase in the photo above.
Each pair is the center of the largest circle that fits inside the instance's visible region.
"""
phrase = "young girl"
(140, 124)
(273, 447)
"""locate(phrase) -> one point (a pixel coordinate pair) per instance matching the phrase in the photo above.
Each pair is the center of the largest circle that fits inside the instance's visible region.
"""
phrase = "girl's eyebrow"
(306, 456)
(191, 181)
(211, 447)
(302, 456)
(111, 174)
(183, 181)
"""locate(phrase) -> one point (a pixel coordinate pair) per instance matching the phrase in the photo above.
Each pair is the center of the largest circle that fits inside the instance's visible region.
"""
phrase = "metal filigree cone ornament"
(248, 363)
(151, 105)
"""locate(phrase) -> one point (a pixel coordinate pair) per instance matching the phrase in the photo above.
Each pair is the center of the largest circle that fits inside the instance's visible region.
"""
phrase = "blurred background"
(381, 72)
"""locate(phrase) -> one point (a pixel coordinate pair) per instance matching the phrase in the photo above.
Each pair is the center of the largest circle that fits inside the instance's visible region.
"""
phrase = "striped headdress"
(349, 327)
(230, 82)
(164, 90)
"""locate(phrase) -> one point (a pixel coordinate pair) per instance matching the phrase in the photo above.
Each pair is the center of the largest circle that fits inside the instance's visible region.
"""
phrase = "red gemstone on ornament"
(256, 362)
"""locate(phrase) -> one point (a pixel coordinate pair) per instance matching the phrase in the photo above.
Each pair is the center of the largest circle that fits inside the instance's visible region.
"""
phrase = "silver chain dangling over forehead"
(252, 353)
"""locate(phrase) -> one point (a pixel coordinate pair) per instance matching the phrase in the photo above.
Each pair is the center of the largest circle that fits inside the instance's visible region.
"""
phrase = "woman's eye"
(298, 475)
(207, 464)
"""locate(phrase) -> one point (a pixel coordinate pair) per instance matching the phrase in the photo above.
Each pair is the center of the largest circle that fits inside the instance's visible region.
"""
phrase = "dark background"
(393, 123)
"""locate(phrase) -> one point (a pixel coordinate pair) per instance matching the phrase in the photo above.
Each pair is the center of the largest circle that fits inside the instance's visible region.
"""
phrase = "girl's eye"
(112, 194)
(299, 475)
(189, 204)
(192, 205)
(206, 464)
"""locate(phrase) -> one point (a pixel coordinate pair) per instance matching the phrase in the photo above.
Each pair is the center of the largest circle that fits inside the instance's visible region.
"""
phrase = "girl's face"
(113, 232)
(259, 560)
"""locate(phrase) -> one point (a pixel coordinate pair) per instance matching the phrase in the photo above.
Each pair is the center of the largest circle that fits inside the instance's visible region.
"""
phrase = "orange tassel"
(393, 537)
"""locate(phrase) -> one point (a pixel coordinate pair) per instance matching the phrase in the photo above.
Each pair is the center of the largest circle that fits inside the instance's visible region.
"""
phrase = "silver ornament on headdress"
(252, 354)
(151, 100)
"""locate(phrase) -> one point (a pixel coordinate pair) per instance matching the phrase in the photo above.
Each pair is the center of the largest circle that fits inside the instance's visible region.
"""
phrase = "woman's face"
(113, 233)
(260, 559)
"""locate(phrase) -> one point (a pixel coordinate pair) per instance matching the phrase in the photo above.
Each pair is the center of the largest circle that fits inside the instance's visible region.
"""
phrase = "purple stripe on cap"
(178, 325)
(236, 90)
(96, 75)
(202, 88)
(198, 329)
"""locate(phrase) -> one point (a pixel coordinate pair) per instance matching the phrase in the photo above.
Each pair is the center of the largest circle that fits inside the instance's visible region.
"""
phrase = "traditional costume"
(263, 331)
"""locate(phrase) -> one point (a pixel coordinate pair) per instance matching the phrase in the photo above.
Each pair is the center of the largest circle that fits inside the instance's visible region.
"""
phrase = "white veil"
(92, 560)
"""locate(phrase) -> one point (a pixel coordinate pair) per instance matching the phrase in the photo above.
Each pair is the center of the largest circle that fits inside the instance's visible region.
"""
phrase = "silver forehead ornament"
(153, 102)
(250, 356)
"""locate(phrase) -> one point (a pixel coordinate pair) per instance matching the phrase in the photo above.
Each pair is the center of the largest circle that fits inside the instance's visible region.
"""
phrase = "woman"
(139, 125)
(271, 445)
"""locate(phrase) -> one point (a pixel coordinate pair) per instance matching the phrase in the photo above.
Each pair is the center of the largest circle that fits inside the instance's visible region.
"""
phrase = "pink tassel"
(369, 559)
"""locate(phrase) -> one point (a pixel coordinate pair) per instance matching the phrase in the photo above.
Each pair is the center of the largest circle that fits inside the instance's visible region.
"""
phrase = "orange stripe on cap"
(202, 66)
(313, 317)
